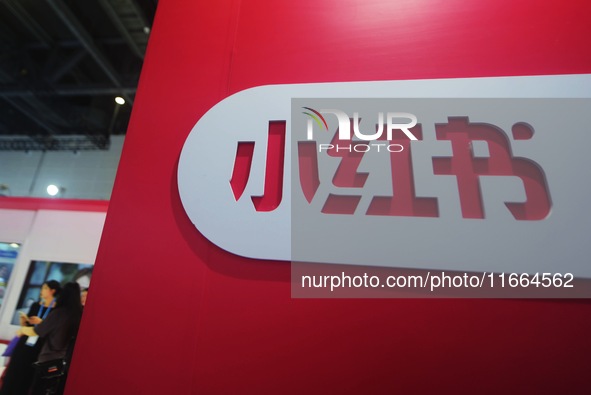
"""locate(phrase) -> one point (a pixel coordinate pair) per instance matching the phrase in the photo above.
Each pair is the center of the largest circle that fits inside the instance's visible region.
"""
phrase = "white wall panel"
(51, 235)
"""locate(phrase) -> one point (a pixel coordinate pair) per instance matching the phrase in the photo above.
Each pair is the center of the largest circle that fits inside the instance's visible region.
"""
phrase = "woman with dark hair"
(19, 373)
(58, 331)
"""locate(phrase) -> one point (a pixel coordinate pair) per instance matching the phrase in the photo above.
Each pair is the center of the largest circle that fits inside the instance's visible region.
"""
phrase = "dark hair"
(68, 302)
(52, 284)
(69, 297)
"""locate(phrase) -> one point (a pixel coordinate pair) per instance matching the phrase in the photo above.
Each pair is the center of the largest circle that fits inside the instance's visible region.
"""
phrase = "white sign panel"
(485, 174)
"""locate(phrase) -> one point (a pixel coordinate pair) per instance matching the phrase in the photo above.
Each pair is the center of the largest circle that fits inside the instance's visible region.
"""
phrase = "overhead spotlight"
(54, 190)
(119, 100)
(14, 245)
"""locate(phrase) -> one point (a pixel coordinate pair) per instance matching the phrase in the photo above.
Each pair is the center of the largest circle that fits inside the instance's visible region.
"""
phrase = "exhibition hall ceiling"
(62, 64)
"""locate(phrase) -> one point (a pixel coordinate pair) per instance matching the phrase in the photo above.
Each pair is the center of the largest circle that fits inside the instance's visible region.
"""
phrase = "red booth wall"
(171, 313)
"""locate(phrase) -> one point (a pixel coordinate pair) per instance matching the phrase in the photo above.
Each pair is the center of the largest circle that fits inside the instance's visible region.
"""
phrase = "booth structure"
(170, 312)
(41, 240)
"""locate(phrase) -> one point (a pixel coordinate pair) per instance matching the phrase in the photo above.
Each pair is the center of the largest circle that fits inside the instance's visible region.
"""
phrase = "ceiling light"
(119, 100)
(14, 245)
(52, 190)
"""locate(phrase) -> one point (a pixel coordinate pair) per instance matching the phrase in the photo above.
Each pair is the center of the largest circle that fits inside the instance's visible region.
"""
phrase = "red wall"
(170, 313)
(25, 203)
